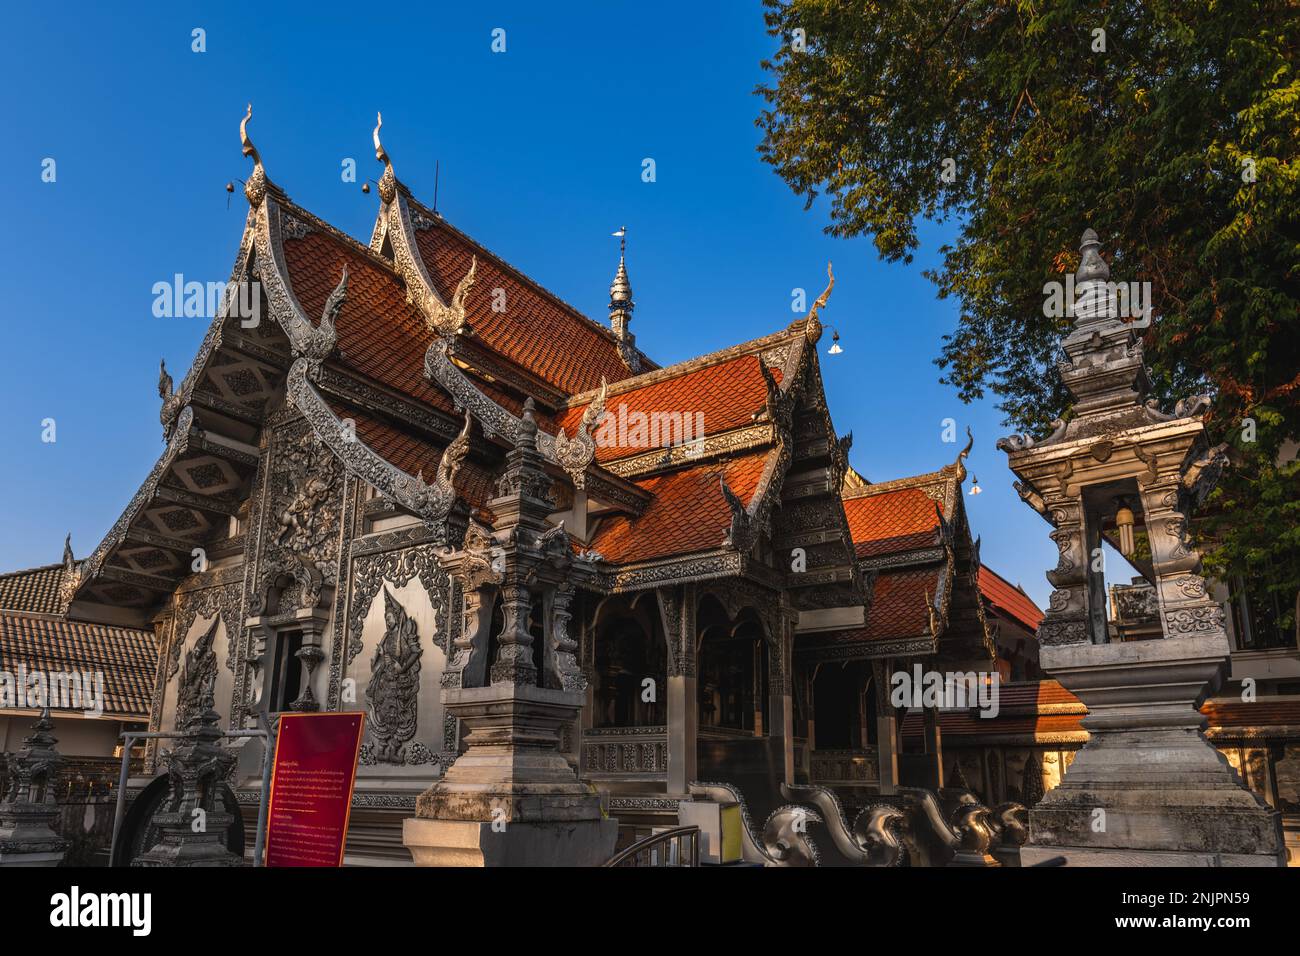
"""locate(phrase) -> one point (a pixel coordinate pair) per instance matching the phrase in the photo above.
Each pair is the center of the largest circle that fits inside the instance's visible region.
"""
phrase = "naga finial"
(69, 560)
(247, 144)
(813, 327)
(960, 463)
(164, 381)
(380, 153)
(388, 181)
(255, 187)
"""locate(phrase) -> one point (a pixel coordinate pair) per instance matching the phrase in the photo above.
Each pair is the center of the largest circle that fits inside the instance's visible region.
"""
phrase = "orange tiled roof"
(125, 656)
(35, 590)
(1024, 708)
(413, 455)
(891, 521)
(898, 605)
(380, 334)
(1045, 706)
(1263, 711)
(688, 512)
(537, 331)
(726, 395)
(1006, 597)
(963, 723)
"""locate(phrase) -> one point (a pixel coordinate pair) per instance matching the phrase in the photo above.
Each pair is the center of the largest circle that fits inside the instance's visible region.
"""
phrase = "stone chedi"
(511, 799)
(1147, 788)
(193, 824)
(29, 812)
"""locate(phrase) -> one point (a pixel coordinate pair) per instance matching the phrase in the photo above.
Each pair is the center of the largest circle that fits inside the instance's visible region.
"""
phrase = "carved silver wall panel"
(392, 693)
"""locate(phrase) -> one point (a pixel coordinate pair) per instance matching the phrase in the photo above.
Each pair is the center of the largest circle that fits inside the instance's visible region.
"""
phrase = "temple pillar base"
(1148, 789)
(511, 799)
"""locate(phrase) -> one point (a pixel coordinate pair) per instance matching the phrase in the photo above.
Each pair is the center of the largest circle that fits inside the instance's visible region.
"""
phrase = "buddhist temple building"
(730, 596)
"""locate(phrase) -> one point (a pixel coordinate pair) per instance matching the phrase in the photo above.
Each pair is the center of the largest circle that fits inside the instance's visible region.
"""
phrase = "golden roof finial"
(813, 327)
(388, 181)
(960, 463)
(248, 148)
(380, 153)
(255, 187)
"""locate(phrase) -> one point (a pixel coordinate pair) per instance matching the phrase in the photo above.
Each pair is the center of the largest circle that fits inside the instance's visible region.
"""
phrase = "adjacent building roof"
(1009, 599)
(35, 590)
(126, 657)
(1044, 712)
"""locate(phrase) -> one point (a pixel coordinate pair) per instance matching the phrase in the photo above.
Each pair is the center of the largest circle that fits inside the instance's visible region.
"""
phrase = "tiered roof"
(384, 347)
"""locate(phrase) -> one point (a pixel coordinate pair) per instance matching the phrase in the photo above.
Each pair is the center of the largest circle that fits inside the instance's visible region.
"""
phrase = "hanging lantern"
(835, 344)
(1124, 521)
(975, 488)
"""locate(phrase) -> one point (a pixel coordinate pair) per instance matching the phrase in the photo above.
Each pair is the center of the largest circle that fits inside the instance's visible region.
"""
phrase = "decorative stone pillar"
(934, 745)
(512, 799)
(194, 825)
(780, 696)
(678, 610)
(29, 812)
(1147, 788)
(886, 726)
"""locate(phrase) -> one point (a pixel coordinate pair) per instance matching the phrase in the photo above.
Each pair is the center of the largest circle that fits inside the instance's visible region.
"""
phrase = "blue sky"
(541, 151)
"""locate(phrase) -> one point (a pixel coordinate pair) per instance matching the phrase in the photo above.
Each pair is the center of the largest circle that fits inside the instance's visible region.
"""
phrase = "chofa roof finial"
(388, 181)
(960, 464)
(255, 187)
(813, 326)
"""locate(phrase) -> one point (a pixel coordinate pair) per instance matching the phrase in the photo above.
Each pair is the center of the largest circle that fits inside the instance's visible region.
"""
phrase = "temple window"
(285, 680)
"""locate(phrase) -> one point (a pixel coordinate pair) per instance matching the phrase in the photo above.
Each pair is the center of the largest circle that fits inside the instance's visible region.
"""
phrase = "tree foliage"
(1171, 127)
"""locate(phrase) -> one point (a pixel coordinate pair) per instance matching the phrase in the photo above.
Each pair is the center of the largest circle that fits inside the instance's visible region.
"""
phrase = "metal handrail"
(685, 843)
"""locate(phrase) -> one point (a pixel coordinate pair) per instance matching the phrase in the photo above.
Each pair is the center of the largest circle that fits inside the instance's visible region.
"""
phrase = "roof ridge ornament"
(255, 187)
(813, 324)
(171, 399)
(576, 453)
(388, 181)
(449, 319)
(959, 465)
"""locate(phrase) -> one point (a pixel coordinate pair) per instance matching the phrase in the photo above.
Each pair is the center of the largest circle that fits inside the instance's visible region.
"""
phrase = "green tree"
(1171, 128)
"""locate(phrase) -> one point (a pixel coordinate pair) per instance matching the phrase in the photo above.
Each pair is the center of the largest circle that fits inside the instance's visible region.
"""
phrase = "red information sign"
(311, 788)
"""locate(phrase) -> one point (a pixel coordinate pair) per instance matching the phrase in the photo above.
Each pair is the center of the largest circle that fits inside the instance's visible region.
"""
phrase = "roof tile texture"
(717, 398)
(379, 333)
(125, 656)
(688, 512)
(891, 521)
(536, 330)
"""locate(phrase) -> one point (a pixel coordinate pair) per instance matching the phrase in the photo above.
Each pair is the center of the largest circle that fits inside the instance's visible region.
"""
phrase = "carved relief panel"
(199, 663)
(396, 638)
(302, 522)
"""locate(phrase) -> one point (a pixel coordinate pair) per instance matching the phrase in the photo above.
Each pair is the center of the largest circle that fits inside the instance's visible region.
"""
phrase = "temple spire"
(621, 306)
(1093, 301)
